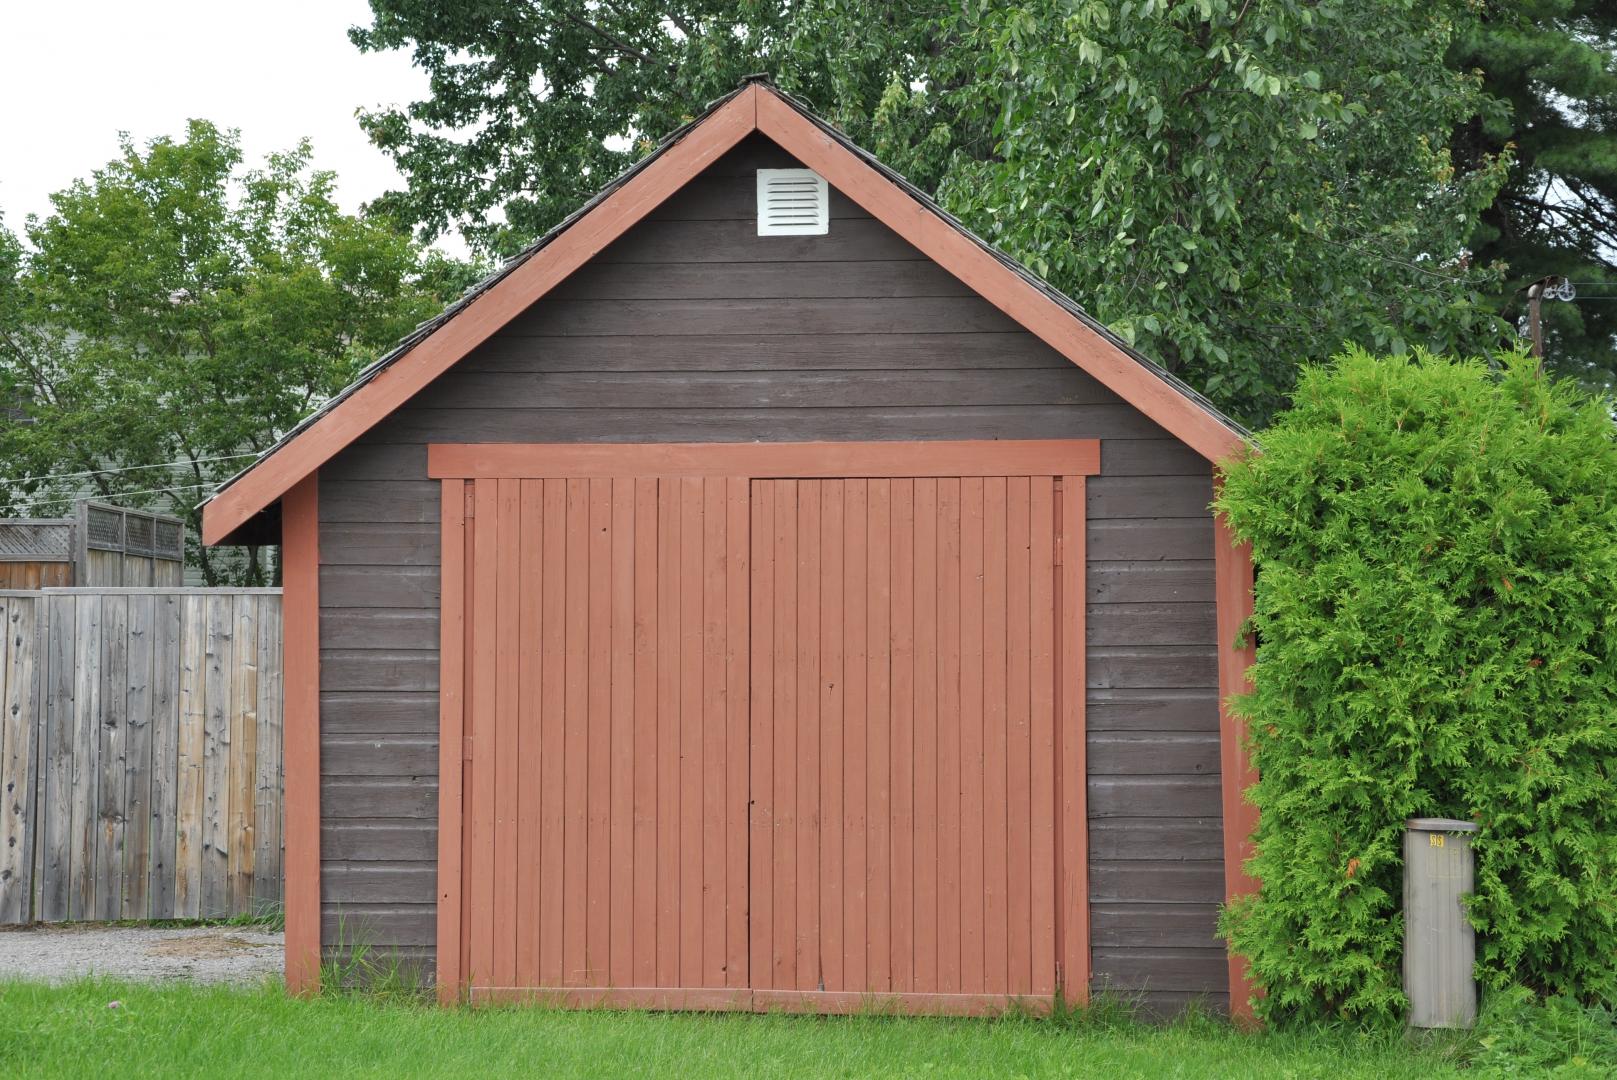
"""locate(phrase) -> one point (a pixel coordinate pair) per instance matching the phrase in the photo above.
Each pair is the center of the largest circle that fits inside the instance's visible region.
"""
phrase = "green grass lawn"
(191, 1031)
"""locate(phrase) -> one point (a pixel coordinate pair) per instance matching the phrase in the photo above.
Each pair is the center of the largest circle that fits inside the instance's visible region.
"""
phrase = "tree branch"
(623, 47)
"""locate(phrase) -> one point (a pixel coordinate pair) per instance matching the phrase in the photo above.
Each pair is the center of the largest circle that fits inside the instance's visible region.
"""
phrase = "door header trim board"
(562, 461)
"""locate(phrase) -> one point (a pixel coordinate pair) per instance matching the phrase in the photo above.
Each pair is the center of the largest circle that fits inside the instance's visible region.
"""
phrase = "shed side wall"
(692, 328)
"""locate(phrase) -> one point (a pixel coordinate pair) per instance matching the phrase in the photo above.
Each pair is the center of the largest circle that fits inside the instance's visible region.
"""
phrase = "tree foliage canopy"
(1551, 67)
(176, 307)
(1436, 546)
(1233, 185)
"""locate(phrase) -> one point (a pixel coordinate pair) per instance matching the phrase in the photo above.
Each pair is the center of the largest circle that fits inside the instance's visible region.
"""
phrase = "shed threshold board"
(760, 1001)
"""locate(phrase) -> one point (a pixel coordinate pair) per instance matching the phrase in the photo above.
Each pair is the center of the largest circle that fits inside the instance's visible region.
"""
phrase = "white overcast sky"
(73, 73)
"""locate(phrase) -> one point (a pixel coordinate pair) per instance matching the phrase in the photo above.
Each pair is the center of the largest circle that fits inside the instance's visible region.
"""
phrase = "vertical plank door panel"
(855, 733)
(643, 969)
(598, 924)
(904, 687)
(761, 823)
(669, 544)
(529, 599)
(715, 729)
(691, 725)
(738, 718)
(605, 736)
(482, 712)
(972, 884)
(575, 748)
(925, 557)
(507, 530)
(807, 737)
(784, 740)
(878, 691)
(1018, 735)
(996, 826)
(552, 708)
(949, 718)
(620, 966)
(901, 782)
(829, 701)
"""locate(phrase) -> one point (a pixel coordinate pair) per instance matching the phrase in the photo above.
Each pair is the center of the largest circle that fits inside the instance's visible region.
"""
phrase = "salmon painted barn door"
(905, 755)
(604, 781)
(763, 726)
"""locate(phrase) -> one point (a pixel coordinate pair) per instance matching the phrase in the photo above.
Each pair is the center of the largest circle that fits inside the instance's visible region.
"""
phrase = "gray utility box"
(1440, 947)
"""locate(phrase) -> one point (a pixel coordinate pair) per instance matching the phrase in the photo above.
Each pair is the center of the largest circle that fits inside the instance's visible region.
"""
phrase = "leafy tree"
(1234, 185)
(176, 308)
(537, 103)
(1552, 65)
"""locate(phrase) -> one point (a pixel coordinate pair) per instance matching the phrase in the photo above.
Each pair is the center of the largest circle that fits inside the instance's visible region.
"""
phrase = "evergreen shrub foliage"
(1436, 618)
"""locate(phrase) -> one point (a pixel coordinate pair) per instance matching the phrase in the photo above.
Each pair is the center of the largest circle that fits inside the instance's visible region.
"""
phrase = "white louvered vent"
(793, 202)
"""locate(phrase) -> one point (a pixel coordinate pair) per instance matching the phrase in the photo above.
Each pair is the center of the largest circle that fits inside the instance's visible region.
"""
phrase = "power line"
(147, 491)
(126, 469)
(129, 494)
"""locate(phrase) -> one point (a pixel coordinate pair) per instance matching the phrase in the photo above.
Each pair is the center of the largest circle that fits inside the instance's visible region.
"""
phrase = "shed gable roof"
(437, 345)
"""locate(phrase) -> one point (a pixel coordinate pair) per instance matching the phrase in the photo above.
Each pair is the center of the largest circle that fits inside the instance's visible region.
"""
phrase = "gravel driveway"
(209, 954)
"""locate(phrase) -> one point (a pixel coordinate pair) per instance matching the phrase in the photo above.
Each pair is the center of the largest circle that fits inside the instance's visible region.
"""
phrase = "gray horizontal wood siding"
(692, 328)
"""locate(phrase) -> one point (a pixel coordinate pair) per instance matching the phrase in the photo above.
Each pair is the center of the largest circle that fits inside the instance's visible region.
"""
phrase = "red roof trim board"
(757, 106)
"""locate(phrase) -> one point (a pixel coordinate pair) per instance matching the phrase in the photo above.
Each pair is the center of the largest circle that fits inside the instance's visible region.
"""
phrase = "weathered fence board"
(188, 804)
(216, 757)
(267, 847)
(166, 638)
(133, 904)
(20, 700)
(86, 652)
(140, 753)
(55, 822)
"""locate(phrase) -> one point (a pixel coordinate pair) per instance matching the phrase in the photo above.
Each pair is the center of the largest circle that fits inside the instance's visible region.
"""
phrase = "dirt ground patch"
(205, 954)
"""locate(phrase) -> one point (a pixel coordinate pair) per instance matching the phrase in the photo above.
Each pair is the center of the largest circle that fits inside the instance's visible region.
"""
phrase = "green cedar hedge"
(1436, 546)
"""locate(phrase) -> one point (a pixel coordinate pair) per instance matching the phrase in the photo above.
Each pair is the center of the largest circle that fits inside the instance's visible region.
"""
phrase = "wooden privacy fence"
(140, 753)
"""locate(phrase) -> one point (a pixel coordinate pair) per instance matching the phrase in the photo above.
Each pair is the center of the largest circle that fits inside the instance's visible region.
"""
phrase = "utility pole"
(1535, 301)
(1558, 288)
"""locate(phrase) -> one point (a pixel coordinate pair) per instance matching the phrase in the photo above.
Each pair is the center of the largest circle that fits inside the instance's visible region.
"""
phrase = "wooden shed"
(761, 594)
